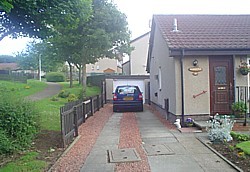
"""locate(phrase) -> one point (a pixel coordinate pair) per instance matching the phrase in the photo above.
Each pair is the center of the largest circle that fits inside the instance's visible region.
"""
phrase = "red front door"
(221, 84)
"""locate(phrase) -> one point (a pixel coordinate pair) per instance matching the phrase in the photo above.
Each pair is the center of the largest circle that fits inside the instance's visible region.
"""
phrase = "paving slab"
(123, 155)
(157, 149)
(158, 140)
(173, 163)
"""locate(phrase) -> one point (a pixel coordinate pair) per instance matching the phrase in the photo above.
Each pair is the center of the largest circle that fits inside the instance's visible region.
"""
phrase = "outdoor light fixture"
(195, 69)
(195, 62)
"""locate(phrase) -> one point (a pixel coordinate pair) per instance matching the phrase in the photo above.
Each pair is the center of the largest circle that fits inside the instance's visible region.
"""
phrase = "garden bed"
(233, 155)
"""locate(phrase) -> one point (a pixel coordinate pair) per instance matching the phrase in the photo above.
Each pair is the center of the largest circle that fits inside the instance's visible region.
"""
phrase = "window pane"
(220, 75)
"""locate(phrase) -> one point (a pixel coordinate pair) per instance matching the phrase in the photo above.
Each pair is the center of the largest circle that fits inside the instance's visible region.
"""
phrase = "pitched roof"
(8, 66)
(205, 31)
(139, 37)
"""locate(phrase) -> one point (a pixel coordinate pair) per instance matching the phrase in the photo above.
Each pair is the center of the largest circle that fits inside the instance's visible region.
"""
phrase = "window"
(220, 75)
(159, 78)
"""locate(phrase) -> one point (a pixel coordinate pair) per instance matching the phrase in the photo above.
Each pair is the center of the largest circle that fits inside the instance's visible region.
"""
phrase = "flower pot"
(244, 71)
(189, 124)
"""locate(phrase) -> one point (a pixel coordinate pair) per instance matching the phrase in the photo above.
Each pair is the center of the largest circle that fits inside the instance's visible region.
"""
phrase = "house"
(194, 60)
(104, 65)
(136, 65)
(6, 68)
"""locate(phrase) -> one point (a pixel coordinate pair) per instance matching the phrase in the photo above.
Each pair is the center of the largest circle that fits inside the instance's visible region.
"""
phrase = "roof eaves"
(139, 37)
(226, 51)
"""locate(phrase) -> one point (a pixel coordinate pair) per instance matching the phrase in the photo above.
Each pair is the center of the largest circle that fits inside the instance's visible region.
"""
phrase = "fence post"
(62, 127)
(91, 106)
(102, 100)
(83, 111)
(98, 103)
(75, 121)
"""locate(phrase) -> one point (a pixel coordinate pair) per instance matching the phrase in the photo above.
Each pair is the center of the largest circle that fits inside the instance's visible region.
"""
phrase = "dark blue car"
(127, 98)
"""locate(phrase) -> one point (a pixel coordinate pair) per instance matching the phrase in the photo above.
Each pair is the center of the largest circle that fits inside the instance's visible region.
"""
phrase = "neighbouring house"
(104, 65)
(136, 65)
(7, 68)
(194, 63)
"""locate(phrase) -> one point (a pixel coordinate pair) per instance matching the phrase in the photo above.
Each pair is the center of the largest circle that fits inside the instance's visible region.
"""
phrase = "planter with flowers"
(189, 122)
(243, 68)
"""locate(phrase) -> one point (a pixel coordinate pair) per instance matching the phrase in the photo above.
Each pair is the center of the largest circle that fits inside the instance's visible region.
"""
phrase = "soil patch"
(233, 155)
(49, 146)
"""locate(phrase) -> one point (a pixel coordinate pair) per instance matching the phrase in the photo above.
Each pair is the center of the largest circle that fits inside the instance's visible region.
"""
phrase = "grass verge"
(28, 162)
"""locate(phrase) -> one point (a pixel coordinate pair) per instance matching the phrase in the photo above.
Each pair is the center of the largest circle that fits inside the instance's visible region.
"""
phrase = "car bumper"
(126, 105)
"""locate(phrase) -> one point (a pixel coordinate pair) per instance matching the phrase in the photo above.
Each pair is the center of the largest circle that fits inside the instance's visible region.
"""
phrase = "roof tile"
(205, 31)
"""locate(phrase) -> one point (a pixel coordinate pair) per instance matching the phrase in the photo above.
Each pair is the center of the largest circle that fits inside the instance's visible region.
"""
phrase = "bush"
(240, 137)
(63, 94)
(6, 146)
(72, 98)
(55, 77)
(18, 123)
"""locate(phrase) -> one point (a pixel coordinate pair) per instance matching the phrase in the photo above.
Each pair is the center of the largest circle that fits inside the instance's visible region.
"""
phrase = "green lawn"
(28, 162)
(21, 89)
(244, 146)
(50, 110)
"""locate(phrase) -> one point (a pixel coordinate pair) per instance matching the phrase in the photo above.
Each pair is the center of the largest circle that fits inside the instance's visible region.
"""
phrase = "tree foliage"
(6, 5)
(7, 59)
(36, 18)
(28, 60)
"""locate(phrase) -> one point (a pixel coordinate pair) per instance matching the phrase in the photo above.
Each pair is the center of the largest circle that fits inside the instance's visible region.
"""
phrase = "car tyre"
(114, 109)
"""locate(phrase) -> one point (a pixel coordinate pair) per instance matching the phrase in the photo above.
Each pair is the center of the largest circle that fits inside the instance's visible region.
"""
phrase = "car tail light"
(140, 96)
(115, 97)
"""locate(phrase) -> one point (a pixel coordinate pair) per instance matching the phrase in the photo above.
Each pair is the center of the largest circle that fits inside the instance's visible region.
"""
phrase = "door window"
(220, 75)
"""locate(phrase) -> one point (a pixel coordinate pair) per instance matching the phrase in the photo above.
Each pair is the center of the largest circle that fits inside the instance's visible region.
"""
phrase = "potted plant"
(243, 68)
(239, 109)
(189, 122)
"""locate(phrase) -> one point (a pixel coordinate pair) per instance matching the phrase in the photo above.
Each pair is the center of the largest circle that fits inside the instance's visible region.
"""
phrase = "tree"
(66, 42)
(28, 60)
(105, 35)
(36, 18)
(7, 59)
(6, 5)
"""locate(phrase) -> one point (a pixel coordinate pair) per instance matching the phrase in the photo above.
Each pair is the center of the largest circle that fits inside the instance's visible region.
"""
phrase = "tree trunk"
(79, 75)
(84, 78)
(70, 75)
(79, 67)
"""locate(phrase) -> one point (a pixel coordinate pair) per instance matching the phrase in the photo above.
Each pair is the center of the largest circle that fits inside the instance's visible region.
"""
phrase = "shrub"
(239, 136)
(55, 77)
(18, 121)
(72, 97)
(63, 94)
(6, 146)
(54, 99)
(239, 108)
(219, 129)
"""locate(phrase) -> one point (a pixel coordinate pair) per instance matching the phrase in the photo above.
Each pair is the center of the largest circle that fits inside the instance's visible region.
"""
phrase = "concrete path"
(166, 150)
(50, 90)
(184, 151)
(97, 161)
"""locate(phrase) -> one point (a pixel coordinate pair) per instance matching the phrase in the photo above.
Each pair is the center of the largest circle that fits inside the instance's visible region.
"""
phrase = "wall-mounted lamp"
(195, 62)
(195, 69)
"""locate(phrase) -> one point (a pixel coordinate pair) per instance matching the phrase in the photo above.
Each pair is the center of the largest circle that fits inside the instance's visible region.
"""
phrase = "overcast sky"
(139, 14)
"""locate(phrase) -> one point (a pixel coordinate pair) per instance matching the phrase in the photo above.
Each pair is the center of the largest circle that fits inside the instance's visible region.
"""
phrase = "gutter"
(182, 87)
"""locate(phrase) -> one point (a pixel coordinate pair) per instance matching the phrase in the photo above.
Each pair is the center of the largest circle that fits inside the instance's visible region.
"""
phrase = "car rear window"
(127, 90)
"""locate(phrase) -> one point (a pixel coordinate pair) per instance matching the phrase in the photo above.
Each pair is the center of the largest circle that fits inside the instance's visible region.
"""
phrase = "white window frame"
(159, 78)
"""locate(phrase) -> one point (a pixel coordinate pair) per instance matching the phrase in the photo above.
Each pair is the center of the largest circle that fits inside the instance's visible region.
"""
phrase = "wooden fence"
(73, 114)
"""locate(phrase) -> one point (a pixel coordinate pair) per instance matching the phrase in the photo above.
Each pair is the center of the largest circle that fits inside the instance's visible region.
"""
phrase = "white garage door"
(139, 83)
